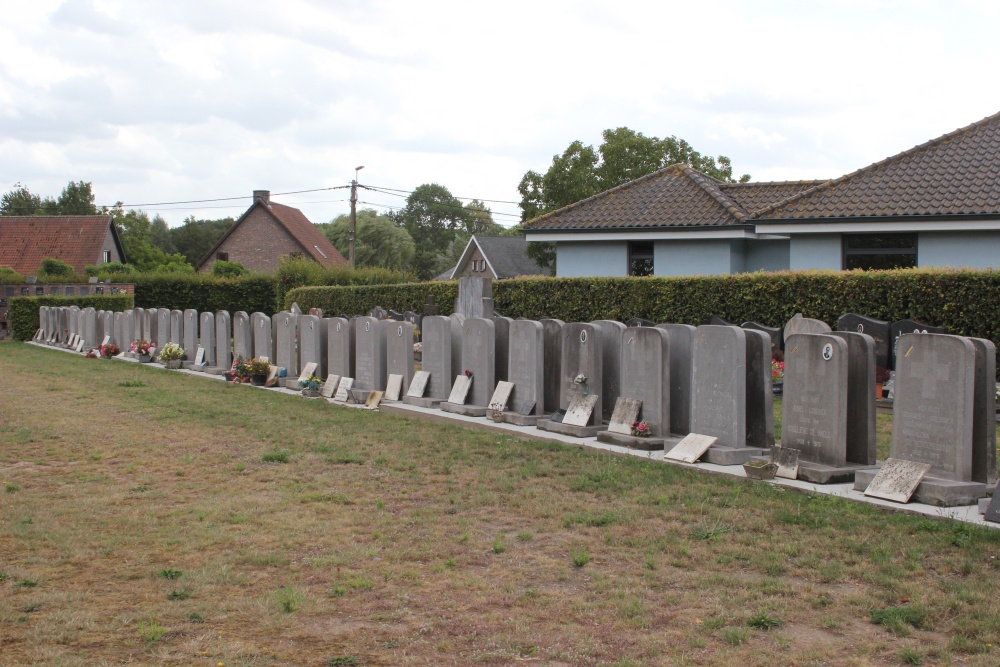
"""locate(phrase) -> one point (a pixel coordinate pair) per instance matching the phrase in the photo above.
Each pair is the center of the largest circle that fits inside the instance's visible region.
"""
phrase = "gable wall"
(109, 245)
(257, 243)
(467, 271)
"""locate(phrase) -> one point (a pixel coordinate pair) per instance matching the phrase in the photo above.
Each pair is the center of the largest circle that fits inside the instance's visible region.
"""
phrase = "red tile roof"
(315, 243)
(75, 239)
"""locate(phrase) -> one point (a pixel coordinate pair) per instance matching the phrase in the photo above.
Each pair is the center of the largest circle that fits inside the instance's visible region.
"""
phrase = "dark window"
(69, 290)
(222, 256)
(640, 258)
(874, 252)
(107, 256)
(39, 291)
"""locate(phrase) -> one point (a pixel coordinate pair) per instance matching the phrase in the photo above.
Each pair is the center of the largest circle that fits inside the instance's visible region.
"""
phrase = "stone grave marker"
(313, 343)
(552, 370)
(340, 345)
(800, 324)
(162, 327)
(415, 319)
(877, 329)
(582, 374)
(501, 334)
(117, 334)
(373, 399)
(330, 386)
(286, 327)
(580, 410)
(308, 370)
(394, 315)
(206, 324)
(715, 320)
(992, 511)
(787, 461)
(177, 327)
(261, 325)
(223, 341)
(378, 312)
(457, 320)
(399, 354)
(344, 389)
(612, 333)
(478, 350)
(139, 324)
(638, 322)
(242, 336)
(295, 309)
(625, 414)
(460, 390)
(645, 378)
(861, 436)
(152, 326)
(419, 385)
(475, 297)
(897, 480)
(760, 392)
(393, 386)
(199, 357)
(681, 341)
(984, 444)
(316, 312)
(190, 330)
(369, 354)
(128, 331)
(775, 334)
(436, 363)
(901, 327)
(526, 370)
(691, 448)
(501, 396)
(431, 308)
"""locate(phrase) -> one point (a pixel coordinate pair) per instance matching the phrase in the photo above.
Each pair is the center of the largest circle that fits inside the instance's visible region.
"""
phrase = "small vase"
(258, 379)
(878, 390)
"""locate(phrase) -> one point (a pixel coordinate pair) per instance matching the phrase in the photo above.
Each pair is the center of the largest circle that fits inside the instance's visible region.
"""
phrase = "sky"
(182, 101)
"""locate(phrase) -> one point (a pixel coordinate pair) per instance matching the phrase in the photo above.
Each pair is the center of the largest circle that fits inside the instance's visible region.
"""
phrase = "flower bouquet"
(640, 429)
(109, 350)
(171, 355)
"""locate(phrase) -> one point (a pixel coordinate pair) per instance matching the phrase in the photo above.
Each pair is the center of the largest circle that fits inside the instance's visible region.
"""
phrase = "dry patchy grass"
(142, 524)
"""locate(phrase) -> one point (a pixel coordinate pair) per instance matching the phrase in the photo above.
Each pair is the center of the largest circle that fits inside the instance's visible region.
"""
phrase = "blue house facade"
(935, 205)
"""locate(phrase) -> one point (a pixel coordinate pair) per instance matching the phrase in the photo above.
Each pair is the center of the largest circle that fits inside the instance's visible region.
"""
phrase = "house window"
(479, 265)
(107, 256)
(640, 258)
(222, 256)
(874, 252)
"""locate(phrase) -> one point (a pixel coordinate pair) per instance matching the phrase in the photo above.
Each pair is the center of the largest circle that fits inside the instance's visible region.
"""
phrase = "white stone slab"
(393, 386)
(501, 395)
(344, 389)
(308, 370)
(330, 386)
(199, 357)
(374, 398)
(691, 448)
(897, 480)
(787, 460)
(580, 409)
(79, 346)
(107, 339)
(625, 414)
(460, 390)
(419, 384)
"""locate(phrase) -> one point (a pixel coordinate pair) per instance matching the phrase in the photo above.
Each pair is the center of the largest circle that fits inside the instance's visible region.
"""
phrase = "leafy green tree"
(136, 232)
(480, 220)
(76, 199)
(55, 267)
(432, 216)
(196, 237)
(20, 201)
(379, 242)
(224, 269)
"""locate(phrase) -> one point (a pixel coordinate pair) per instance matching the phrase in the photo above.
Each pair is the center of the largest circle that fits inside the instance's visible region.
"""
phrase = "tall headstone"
(933, 418)
(139, 324)
(645, 377)
(457, 331)
(340, 346)
(399, 352)
(582, 375)
(190, 333)
(760, 391)
(177, 327)
(89, 321)
(552, 332)
(369, 354)
(431, 308)
(242, 336)
(107, 325)
(775, 333)
(861, 425)
(501, 329)
(478, 350)
(415, 319)
(313, 343)
(526, 371)
(436, 360)
(286, 342)
(223, 340)
(162, 328)
(800, 324)
(984, 433)
(612, 333)
(152, 325)
(128, 329)
(681, 342)
(877, 329)
(206, 327)
(475, 297)
(901, 327)
(262, 345)
(715, 320)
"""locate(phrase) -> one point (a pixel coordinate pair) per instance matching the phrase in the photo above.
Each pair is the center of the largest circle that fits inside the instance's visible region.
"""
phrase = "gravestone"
(88, 319)
(128, 331)
(162, 328)
(369, 354)
(190, 330)
(526, 370)
(295, 309)
(436, 361)
(984, 444)
(330, 386)
(901, 327)
(691, 448)
(580, 411)
(645, 377)
(877, 329)
(153, 326)
(378, 312)
(861, 434)
(242, 336)
(581, 374)
(715, 320)
(316, 312)
(681, 341)
(501, 332)
(399, 352)
(415, 319)
(393, 387)
(460, 390)
(501, 396)
(552, 372)
(719, 392)
(139, 324)
(177, 327)
(457, 331)
(286, 351)
(933, 418)
(431, 308)
(313, 343)
(639, 322)
(418, 386)
(800, 324)
(774, 333)
(475, 297)
(611, 374)
(897, 480)
(343, 392)
(262, 345)
(478, 351)
(206, 325)
(223, 341)
(340, 346)
(760, 391)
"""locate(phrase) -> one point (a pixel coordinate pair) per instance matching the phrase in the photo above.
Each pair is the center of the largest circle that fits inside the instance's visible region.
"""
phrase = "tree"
(196, 237)
(379, 242)
(433, 216)
(76, 199)
(623, 156)
(136, 232)
(55, 267)
(19, 201)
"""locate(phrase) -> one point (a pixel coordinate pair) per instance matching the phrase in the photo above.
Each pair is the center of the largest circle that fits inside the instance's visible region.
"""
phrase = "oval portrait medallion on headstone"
(583, 336)
(399, 332)
(827, 352)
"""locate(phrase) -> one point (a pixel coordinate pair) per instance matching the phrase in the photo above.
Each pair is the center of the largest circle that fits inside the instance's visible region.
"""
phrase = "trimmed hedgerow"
(358, 300)
(179, 291)
(24, 309)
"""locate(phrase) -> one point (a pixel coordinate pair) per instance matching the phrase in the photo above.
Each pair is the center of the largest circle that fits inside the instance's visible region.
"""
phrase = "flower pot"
(310, 393)
(878, 390)
(778, 387)
(258, 379)
(144, 358)
(760, 469)
(173, 363)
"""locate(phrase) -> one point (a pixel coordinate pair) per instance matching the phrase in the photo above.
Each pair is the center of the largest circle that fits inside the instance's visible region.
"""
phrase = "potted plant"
(109, 350)
(496, 412)
(310, 386)
(258, 369)
(881, 377)
(143, 350)
(755, 469)
(171, 355)
(778, 373)
(241, 370)
(640, 429)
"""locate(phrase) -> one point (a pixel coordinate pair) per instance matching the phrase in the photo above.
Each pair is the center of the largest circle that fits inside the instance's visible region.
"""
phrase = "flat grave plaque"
(993, 509)
(460, 389)
(308, 370)
(691, 448)
(344, 389)
(626, 413)
(526, 407)
(579, 410)
(419, 384)
(199, 357)
(107, 339)
(787, 460)
(501, 396)
(330, 386)
(79, 345)
(38, 334)
(897, 480)
(374, 398)
(393, 386)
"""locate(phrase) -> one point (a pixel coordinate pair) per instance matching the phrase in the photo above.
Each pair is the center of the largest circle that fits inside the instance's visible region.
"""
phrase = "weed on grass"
(182, 594)
(132, 383)
(344, 661)
(170, 573)
(289, 599)
(580, 556)
(735, 636)
(911, 656)
(499, 545)
(276, 456)
(898, 620)
(11, 487)
(151, 631)
(763, 621)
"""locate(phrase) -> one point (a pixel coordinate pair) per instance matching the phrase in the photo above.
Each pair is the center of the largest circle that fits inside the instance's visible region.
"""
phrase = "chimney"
(262, 195)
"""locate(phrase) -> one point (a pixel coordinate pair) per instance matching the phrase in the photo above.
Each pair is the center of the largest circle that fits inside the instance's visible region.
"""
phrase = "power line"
(379, 188)
(446, 205)
(205, 201)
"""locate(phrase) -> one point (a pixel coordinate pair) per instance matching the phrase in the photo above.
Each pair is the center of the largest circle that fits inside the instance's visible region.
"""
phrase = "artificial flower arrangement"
(640, 429)
(881, 375)
(142, 347)
(469, 374)
(241, 370)
(92, 354)
(312, 383)
(258, 366)
(109, 350)
(171, 352)
(777, 370)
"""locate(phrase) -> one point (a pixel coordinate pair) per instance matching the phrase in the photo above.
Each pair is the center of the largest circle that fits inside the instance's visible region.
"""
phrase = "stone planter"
(760, 469)
(258, 379)
(173, 363)
(778, 387)
(310, 393)
(144, 358)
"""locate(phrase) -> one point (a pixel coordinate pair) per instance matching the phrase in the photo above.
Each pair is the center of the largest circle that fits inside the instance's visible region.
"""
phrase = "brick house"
(78, 240)
(494, 257)
(268, 231)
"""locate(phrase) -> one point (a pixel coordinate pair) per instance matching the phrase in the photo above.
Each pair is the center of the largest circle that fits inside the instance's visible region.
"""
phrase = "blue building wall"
(815, 251)
(766, 255)
(692, 258)
(974, 250)
(599, 258)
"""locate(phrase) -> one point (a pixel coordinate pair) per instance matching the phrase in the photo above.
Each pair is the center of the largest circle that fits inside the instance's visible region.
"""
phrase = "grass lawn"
(152, 518)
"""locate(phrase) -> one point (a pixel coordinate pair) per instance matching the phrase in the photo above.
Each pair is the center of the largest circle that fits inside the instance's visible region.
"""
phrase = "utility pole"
(352, 229)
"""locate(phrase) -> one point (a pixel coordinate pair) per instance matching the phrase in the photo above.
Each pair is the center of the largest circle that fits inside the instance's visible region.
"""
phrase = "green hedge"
(336, 301)
(178, 291)
(24, 309)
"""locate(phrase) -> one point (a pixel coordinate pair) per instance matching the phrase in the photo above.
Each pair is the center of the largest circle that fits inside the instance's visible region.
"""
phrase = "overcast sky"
(176, 100)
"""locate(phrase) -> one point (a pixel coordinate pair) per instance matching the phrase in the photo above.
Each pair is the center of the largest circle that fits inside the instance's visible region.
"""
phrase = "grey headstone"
(715, 320)
(478, 351)
(139, 324)
(645, 375)
(295, 309)
(436, 357)
(625, 414)
(800, 324)
(399, 352)
(190, 330)
(639, 322)
(418, 387)
(457, 321)
(369, 354)
(128, 329)
(313, 343)
(552, 332)
(984, 433)
(877, 329)
(992, 513)
(775, 334)
(934, 403)
(681, 341)
(527, 364)
(223, 340)
(340, 346)
(861, 434)
(759, 390)
(611, 373)
(378, 312)
(89, 318)
(897, 480)
(814, 410)
(431, 308)
(416, 320)
(901, 327)
(718, 387)
(242, 336)
(501, 332)
(582, 354)
(285, 346)
(206, 324)
(162, 327)
(152, 325)
(177, 327)
(262, 337)
(475, 298)
(395, 315)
